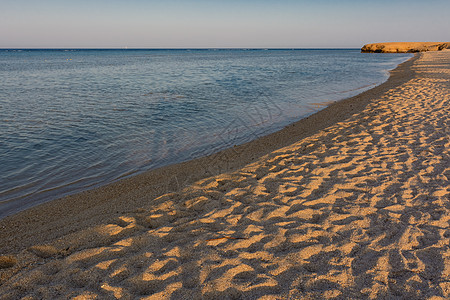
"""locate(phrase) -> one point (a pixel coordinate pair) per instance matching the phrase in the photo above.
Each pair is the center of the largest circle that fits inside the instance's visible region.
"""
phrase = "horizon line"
(176, 48)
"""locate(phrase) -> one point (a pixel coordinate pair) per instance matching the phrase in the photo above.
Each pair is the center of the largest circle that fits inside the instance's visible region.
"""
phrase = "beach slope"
(356, 209)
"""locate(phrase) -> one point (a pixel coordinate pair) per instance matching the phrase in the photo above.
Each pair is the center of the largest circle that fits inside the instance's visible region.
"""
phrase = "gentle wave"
(77, 119)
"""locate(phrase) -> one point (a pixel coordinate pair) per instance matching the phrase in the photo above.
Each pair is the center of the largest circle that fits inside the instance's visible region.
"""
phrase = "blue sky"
(214, 23)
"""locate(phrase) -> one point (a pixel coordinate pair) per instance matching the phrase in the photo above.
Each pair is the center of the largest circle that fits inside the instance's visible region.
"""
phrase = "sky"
(219, 23)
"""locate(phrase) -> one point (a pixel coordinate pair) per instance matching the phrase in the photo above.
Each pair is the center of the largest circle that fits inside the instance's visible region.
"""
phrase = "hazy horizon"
(182, 48)
(198, 24)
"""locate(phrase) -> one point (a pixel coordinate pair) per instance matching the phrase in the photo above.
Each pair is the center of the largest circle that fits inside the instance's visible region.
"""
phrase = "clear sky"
(219, 23)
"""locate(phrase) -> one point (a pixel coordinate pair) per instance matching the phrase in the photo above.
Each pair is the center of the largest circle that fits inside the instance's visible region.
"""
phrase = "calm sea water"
(74, 119)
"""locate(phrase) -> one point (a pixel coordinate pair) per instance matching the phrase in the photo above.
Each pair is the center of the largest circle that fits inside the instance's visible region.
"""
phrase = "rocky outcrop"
(404, 47)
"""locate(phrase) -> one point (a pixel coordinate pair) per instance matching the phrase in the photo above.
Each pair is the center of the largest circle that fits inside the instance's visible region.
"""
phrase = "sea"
(76, 119)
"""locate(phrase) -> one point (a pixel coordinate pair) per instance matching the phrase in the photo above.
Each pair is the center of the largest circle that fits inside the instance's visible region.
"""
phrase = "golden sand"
(351, 203)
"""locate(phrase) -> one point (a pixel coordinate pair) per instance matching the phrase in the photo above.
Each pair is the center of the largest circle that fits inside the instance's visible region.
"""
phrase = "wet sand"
(352, 202)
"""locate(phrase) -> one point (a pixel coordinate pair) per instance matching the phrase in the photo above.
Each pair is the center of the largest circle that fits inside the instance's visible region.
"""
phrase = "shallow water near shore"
(75, 119)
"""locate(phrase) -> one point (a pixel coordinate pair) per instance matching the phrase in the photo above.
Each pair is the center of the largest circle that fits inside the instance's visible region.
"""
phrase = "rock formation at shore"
(403, 47)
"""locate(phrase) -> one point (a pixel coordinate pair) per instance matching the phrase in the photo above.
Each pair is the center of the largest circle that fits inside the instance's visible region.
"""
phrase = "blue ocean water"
(71, 120)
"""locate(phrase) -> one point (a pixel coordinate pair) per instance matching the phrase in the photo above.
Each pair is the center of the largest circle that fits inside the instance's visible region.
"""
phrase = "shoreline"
(103, 204)
(40, 169)
(356, 209)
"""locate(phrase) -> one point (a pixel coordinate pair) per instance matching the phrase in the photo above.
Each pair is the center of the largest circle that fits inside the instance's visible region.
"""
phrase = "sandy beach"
(352, 202)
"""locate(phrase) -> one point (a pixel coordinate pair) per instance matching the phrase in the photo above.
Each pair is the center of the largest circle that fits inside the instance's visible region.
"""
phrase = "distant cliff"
(404, 47)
